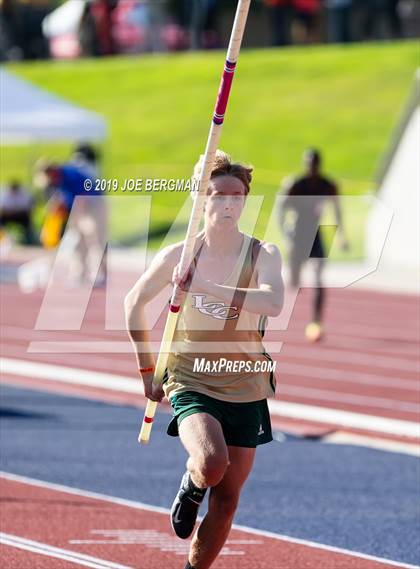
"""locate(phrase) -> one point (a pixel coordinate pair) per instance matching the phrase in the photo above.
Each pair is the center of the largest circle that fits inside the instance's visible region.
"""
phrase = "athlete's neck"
(222, 243)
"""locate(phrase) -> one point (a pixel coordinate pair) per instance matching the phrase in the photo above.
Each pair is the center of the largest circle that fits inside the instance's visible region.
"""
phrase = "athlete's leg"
(295, 265)
(317, 255)
(223, 501)
(319, 298)
(203, 439)
(313, 330)
(202, 436)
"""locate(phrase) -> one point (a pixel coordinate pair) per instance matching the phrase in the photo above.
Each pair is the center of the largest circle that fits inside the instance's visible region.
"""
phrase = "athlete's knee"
(211, 468)
(319, 273)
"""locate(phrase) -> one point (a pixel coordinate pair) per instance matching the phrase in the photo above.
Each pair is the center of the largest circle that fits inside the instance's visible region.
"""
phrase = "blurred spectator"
(96, 27)
(87, 224)
(392, 16)
(21, 24)
(339, 13)
(86, 158)
(194, 24)
(41, 180)
(105, 27)
(136, 26)
(409, 12)
(102, 14)
(85, 36)
(9, 32)
(380, 19)
(203, 24)
(294, 21)
(67, 180)
(175, 33)
(280, 15)
(157, 16)
(16, 208)
(62, 28)
(306, 27)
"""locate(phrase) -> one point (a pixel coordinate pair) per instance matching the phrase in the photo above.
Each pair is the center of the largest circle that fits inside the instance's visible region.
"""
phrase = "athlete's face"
(225, 201)
(311, 163)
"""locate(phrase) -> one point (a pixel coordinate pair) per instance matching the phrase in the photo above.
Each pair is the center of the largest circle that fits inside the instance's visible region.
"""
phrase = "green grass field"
(344, 100)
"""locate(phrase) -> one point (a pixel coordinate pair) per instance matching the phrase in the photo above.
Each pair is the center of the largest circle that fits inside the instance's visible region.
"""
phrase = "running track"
(348, 497)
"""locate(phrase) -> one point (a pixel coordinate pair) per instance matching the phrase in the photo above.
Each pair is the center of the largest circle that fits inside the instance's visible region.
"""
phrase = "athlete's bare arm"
(267, 299)
(339, 220)
(149, 285)
(284, 202)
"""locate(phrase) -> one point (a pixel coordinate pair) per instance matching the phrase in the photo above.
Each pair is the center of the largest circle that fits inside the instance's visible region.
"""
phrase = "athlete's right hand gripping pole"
(197, 210)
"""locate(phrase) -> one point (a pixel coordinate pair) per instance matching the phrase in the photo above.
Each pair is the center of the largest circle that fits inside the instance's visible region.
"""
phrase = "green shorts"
(244, 424)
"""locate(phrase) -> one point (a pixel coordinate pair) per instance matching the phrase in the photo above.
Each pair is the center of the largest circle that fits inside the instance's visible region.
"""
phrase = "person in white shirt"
(16, 206)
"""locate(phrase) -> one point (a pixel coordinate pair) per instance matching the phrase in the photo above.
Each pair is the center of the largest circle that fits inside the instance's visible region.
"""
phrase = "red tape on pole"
(224, 91)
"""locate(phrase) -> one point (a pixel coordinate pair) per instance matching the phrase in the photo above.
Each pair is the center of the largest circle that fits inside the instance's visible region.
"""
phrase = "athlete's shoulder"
(268, 265)
(330, 186)
(171, 254)
(167, 257)
(268, 252)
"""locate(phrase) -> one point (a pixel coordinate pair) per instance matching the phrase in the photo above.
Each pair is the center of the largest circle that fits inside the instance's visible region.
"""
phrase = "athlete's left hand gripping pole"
(196, 213)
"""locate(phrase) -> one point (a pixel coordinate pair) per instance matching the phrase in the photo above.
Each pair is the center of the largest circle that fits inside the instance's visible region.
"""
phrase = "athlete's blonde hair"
(223, 166)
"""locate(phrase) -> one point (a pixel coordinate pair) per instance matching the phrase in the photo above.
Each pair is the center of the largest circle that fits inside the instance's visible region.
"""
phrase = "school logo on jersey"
(217, 310)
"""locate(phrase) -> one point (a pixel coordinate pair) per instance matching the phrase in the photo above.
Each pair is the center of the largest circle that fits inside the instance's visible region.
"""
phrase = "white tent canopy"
(30, 115)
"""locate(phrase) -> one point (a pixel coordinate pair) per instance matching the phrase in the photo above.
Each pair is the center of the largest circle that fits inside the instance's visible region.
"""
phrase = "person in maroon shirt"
(307, 196)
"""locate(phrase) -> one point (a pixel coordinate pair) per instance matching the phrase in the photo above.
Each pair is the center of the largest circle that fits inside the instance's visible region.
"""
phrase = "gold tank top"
(210, 332)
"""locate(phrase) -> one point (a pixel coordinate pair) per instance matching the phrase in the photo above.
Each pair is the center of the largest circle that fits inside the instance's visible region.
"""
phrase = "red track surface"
(368, 364)
(66, 520)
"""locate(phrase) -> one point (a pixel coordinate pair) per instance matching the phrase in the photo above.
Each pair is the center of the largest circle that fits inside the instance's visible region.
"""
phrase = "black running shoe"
(185, 507)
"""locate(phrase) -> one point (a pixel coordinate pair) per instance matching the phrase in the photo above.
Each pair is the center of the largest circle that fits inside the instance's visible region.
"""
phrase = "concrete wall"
(400, 191)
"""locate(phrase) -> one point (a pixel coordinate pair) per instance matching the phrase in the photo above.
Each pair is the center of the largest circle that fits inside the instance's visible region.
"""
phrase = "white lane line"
(58, 553)
(148, 507)
(343, 438)
(65, 374)
(326, 547)
(124, 384)
(347, 419)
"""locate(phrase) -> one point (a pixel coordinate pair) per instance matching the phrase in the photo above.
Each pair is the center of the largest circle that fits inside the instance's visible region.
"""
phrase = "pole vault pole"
(197, 210)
